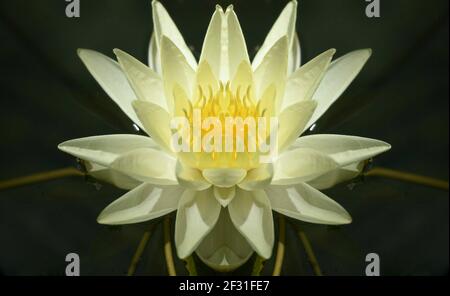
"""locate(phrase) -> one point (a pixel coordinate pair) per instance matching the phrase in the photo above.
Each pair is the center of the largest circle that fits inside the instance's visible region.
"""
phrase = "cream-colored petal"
(224, 45)
(224, 249)
(258, 178)
(111, 78)
(154, 56)
(301, 165)
(251, 214)
(345, 150)
(302, 84)
(336, 176)
(157, 123)
(111, 176)
(349, 152)
(206, 80)
(283, 26)
(197, 214)
(337, 78)
(147, 165)
(224, 177)
(175, 70)
(291, 122)
(242, 82)
(191, 178)
(105, 149)
(143, 203)
(146, 84)
(224, 195)
(273, 71)
(163, 25)
(295, 56)
(305, 203)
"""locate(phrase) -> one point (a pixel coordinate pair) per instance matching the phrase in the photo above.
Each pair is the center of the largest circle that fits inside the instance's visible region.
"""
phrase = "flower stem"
(140, 249)
(407, 177)
(40, 177)
(309, 252)
(280, 247)
(168, 248)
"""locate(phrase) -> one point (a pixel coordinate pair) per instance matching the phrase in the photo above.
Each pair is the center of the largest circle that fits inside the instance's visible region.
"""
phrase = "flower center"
(226, 128)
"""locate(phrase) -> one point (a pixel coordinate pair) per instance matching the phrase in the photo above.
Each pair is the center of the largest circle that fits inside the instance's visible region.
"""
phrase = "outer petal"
(224, 46)
(175, 70)
(146, 84)
(147, 165)
(157, 123)
(295, 55)
(103, 150)
(197, 214)
(337, 176)
(258, 178)
(154, 56)
(109, 75)
(291, 122)
(111, 176)
(283, 26)
(143, 203)
(250, 212)
(337, 78)
(345, 150)
(224, 177)
(272, 71)
(224, 248)
(302, 84)
(191, 178)
(301, 165)
(305, 203)
(163, 25)
(348, 151)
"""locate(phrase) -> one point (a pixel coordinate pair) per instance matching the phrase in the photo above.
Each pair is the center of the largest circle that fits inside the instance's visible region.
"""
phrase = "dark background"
(47, 96)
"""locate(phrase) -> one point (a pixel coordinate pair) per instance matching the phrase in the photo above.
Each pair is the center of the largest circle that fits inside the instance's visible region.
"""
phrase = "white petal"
(336, 80)
(224, 195)
(291, 122)
(251, 214)
(157, 123)
(224, 45)
(104, 150)
(154, 57)
(191, 178)
(272, 71)
(175, 70)
(224, 248)
(305, 203)
(301, 165)
(337, 176)
(224, 177)
(111, 176)
(197, 214)
(283, 26)
(302, 84)
(143, 203)
(163, 25)
(109, 75)
(146, 84)
(345, 150)
(258, 178)
(295, 55)
(349, 152)
(147, 165)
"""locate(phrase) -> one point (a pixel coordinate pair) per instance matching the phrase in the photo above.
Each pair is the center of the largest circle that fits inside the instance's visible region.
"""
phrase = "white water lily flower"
(224, 203)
